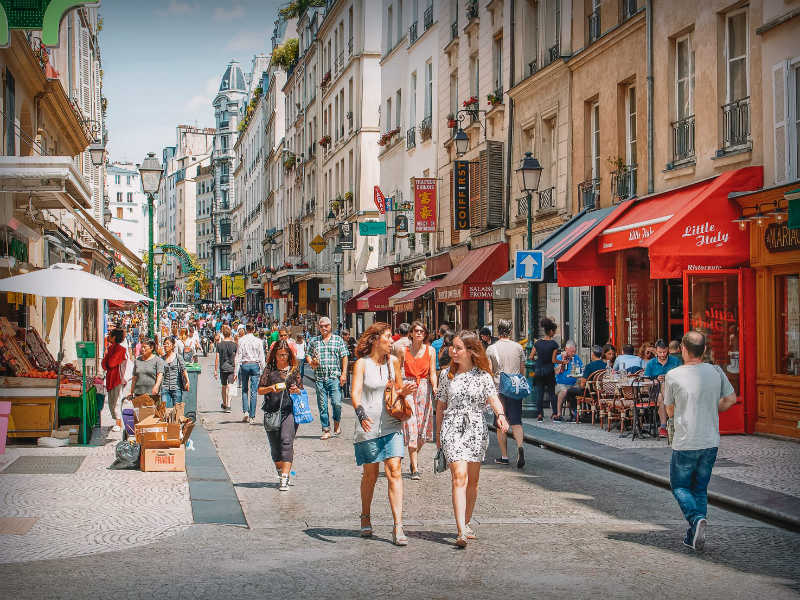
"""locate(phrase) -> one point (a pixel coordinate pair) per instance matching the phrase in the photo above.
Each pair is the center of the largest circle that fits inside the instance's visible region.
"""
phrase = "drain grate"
(44, 465)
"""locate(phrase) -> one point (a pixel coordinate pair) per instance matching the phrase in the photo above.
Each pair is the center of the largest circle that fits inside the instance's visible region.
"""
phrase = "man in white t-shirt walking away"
(694, 395)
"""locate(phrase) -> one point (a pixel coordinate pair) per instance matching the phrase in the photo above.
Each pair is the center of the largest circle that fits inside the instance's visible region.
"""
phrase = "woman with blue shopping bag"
(279, 381)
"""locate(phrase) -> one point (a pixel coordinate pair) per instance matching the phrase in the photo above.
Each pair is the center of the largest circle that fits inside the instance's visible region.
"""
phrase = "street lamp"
(338, 258)
(462, 142)
(246, 276)
(97, 152)
(529, 173)
(150, 172)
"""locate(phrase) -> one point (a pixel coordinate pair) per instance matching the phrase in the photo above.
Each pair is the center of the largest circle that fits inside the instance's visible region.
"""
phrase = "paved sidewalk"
(92, 510)
(757, 474)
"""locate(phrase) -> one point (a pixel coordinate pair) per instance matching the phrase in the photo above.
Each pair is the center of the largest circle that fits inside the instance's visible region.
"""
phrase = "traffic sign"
(529, 264)
(318, 244)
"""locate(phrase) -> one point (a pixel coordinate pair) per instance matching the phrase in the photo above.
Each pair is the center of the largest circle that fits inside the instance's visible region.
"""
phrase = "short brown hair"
(369, 337)
(226, 330)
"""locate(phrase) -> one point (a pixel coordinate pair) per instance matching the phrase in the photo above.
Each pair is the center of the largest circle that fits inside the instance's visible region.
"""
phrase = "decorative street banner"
(461, 195)
(238, 286)
(346, 236)
(380, 201)
(227, 286)
(424, 204)
(400, 223)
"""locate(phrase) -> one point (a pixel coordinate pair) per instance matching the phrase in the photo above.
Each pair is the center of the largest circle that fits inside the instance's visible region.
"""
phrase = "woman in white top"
(465, 389)
(300, 353)
(379, 437)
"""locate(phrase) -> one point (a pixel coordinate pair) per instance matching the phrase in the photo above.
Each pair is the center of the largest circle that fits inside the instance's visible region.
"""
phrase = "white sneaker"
(116, 428)
(252, 421)
(245, 418)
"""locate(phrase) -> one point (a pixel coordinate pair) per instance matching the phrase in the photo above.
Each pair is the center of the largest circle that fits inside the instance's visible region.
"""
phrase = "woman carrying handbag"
(279, 379)
(377, 392)
(464, 391)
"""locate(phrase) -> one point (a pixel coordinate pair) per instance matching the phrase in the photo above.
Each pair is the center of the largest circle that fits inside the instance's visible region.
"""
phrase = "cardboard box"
(140, 413)
(169, 438)
(143, 400)
(151, 425)
(163, 459)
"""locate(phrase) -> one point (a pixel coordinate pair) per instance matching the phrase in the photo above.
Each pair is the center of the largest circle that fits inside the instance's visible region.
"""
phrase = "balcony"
(554, 52)
(522, 208)
(224, 125)
(594, 26)
(350, 46)
(682, 141)
(412, 33)
(411, 138)
(426, 128)
(623, 183)
(340, 62)
(428, 17)
(532, 67)
(547, 200)
(628, 8)
(472, 10)
(454, 30)
(736, 124)
(224, 179)
(589, 194)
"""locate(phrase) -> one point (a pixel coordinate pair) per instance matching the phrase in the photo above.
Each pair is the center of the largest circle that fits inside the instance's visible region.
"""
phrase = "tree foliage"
(131, 280)
(286, 54)
(295, 8)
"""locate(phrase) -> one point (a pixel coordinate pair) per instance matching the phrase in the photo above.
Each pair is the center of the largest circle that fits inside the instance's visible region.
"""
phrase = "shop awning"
(684, 229)
(472, 278)
(371, 299)
(405, 303)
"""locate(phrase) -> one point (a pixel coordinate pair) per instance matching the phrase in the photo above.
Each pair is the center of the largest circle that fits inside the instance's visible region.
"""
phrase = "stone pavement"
(90, 511)
(558, 528)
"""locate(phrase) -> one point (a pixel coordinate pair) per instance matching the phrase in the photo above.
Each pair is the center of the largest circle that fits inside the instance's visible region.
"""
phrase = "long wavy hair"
(473, 345)
(370, 337)
(272, 359)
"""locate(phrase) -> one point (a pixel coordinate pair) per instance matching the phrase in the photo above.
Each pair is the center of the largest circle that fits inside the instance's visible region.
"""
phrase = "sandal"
(469, 533)
(461, 541)
(366, 531)
(399, 539)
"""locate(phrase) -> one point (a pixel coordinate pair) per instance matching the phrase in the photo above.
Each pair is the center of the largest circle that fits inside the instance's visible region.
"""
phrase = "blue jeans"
(171, 397)
(249, 374)
(689, 474)
(302, 366)
(329, 388)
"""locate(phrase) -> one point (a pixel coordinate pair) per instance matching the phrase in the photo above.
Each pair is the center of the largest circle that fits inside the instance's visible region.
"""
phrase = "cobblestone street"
(558, 528)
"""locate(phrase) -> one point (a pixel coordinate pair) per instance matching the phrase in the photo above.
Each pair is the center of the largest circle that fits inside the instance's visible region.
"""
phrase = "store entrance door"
(713, 306)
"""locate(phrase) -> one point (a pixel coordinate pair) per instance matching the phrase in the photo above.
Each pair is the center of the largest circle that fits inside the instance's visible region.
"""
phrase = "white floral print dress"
(464, 433)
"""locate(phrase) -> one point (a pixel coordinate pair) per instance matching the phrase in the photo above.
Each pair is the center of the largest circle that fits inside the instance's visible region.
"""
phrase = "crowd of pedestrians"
(445, 385)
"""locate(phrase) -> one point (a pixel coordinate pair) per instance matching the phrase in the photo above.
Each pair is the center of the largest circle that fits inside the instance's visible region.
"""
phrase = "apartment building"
(204, 180)
(127, 205)
(410, 134)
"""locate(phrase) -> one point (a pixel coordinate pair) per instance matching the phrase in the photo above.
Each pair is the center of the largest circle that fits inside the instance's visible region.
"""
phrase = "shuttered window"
(501, 309)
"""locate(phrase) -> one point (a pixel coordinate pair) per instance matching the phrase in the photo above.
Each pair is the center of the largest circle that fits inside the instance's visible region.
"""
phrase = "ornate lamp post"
(150, 172)
(529, 173)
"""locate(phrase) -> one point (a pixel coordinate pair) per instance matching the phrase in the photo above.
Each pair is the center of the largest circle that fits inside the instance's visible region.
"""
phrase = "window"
(736, 45)
(630, 126)
(454, 93)
(412, 101)
(117, 179)
(684, 77)
(130, 197)
(796, 146)
(119, 212)
(9, 96)
(594, 127)
(474, 76)
(388, 125)
(389, 30)
(428, 89)
(130, 211)
(787, 297)
(398, 109)
(128, 177)
(399, 20)
(119, 195)
(224, 258)
(497, 64)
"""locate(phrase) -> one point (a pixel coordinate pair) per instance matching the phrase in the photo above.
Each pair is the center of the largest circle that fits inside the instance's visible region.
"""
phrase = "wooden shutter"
(780, 107)
(455, 235)
(477, 203)
(492, 184)
(501, 309)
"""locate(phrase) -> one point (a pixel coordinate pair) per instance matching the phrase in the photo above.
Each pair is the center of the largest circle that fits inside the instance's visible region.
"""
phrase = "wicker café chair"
(605, 398)
(587, 403)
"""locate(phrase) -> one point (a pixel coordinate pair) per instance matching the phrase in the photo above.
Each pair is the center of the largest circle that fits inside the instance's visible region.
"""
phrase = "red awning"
(372, 299)
(684, 229)
(405, 302)
(472, 278)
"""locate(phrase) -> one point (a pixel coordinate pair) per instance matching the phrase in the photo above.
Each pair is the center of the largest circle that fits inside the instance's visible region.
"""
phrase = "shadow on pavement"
(257, 484)
(322, 534)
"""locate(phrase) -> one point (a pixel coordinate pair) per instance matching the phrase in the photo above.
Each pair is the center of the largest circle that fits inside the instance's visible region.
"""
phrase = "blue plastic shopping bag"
(301, 408)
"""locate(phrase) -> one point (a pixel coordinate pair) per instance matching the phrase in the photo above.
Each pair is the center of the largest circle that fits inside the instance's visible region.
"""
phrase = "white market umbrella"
(65, 280)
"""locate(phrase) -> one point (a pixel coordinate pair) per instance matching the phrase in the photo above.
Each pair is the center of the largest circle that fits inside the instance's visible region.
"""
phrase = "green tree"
(295, 8)
(131, 280)
(286, 54)
(196, 276)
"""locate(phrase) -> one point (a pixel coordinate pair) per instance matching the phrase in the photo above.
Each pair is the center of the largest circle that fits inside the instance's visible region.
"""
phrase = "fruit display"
(23, 353)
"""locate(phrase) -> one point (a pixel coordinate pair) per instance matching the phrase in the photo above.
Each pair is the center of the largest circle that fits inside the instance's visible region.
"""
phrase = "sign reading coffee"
(779, 238)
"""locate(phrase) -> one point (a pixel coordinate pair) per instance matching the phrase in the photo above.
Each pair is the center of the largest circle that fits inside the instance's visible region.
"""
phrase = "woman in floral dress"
(464, 391)
(419, 367)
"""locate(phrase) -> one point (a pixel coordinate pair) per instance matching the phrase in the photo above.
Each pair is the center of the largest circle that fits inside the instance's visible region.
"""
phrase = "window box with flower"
(326, 79)
(494, 99)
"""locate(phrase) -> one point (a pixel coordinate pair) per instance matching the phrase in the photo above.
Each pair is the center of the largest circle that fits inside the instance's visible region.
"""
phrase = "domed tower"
(227, 108)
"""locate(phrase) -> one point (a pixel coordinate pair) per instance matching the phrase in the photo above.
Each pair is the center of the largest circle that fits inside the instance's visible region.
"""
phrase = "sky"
(163, 61)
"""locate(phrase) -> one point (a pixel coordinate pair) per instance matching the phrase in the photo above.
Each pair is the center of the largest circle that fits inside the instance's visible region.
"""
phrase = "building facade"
(204, 180)
(128, 206)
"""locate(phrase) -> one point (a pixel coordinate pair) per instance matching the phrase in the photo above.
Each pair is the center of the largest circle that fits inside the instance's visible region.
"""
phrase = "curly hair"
(369, 337)
(272, 359)
(473, 345)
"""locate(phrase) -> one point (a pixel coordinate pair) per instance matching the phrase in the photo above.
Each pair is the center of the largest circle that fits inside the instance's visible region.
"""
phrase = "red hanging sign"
(380, 201)
(424, 204)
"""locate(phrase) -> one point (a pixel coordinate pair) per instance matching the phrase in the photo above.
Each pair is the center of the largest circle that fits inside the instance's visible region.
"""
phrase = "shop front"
(775, 260)
(673, 262)
(415, 304)
(464, 296)
(372, 304)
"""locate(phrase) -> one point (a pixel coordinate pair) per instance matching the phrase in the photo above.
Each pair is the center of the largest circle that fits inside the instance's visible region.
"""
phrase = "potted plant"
(326, 78)
(425, 129)
(348, 196)
(325, 140)
(451, 121)
(471, 102)
(494, 99)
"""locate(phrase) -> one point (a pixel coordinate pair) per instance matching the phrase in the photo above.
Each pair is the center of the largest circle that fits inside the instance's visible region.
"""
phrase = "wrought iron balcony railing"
(453, 30)
(412, 33)
(594, 26)
(623, 183)
(522, 207)
(629, 8)
(683, 140)
(547, 200)
(411, 138)
(589, 193)
(736, 123)
(472, 10)
(428, 17)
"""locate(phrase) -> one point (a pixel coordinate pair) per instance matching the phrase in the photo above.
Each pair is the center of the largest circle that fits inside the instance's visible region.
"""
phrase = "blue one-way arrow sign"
(529, 265)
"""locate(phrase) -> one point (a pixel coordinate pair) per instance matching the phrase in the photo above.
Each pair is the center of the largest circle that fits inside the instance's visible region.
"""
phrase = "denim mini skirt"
(379, 449)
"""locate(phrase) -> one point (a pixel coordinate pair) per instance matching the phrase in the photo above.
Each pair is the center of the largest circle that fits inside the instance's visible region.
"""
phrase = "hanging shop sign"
(227, 286)
(380, 200)
(424, 204)
(325, 290)
(372, 228)
(461, 219)
(779, 238)
(346, 236)
(400, 224)
(238, 286)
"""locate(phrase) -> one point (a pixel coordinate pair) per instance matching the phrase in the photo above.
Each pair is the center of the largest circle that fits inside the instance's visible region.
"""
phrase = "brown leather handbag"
(396, 404)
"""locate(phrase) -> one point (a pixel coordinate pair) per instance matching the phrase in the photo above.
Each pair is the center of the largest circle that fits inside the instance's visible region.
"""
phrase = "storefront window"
(714, 305)
(787, 295)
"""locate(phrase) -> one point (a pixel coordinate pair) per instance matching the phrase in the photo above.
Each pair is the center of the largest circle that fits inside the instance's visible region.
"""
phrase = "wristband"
(360, 413)
(501, 415)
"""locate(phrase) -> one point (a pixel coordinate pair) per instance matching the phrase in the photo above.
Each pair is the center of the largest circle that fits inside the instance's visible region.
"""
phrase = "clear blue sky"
(163, 60)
